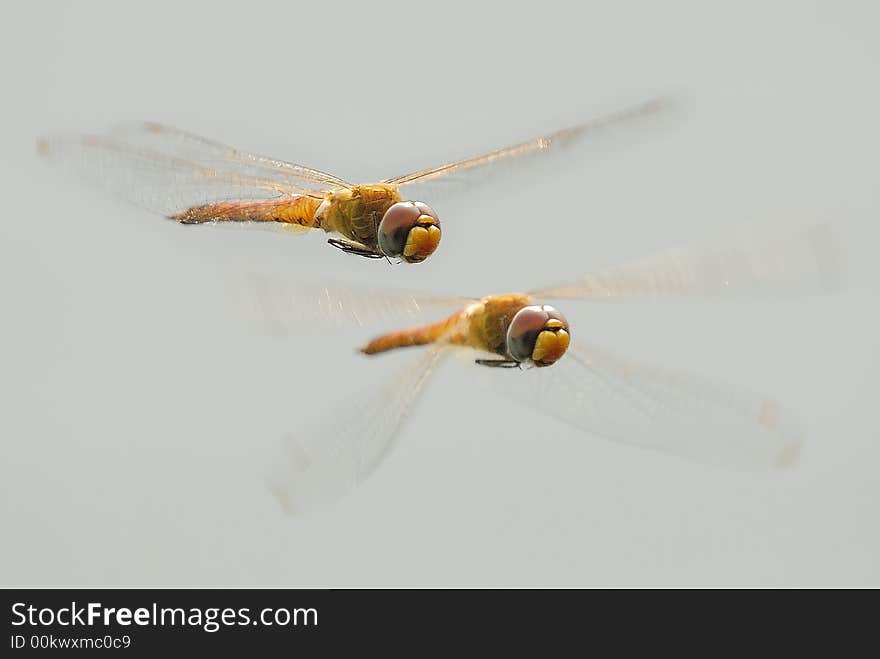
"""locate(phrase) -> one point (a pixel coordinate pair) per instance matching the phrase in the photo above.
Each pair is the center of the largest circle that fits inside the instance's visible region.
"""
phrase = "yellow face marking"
(550, 346)
(421, 242)
(554, 323)
(425, 220)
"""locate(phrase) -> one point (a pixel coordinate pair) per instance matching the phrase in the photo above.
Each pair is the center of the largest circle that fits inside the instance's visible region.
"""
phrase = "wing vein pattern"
(165, 170)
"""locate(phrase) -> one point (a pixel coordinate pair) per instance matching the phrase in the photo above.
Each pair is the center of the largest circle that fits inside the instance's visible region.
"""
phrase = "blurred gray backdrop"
(139, 410)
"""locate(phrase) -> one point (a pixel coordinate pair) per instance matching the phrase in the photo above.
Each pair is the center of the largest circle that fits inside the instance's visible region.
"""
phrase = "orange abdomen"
(299, 209)
(448, 329)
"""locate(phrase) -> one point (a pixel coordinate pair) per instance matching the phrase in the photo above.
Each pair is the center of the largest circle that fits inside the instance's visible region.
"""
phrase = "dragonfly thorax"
(377, 221)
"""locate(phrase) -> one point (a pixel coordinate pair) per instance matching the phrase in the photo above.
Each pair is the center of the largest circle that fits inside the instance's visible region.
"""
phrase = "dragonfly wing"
(188, 146)
(462, 171)
(284, 309)
(658, 409)
(319, 467)
(285, 228)
(759, 260)
(153, 180)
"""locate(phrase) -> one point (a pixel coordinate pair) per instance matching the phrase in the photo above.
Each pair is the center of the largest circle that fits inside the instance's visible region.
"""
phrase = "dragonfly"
(194, 180)
(532, 353)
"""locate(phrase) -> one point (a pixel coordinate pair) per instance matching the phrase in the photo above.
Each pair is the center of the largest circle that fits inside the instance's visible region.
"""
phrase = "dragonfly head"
(409, 230)
(538, 334)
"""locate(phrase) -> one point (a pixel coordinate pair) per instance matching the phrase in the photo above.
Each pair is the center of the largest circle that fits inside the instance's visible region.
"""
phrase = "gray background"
(138, 411)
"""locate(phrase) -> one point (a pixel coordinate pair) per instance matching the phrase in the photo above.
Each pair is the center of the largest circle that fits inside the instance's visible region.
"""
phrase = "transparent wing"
(519, 152)
(167, 176)
(188, 146)
(756, 259)
(283, 308)
(320, 466)
(657, 409)
(273, 227)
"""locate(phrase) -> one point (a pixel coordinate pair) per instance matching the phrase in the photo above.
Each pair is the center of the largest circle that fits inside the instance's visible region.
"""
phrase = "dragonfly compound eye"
(409, 230)
(539, 334)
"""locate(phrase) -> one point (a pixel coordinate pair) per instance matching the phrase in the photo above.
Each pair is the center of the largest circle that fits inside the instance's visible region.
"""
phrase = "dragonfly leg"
(354, 248)
(498, 363)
